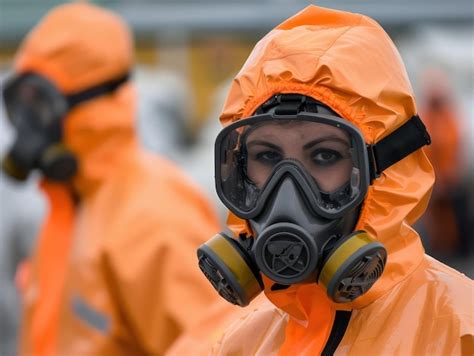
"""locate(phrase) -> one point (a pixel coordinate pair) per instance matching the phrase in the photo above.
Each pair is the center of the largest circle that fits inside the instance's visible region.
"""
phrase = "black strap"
(101, 89)
(338, 330)
(405, 140)
(292, 104)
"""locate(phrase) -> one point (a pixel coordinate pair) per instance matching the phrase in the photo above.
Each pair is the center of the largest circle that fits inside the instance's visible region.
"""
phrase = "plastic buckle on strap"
(289, 104)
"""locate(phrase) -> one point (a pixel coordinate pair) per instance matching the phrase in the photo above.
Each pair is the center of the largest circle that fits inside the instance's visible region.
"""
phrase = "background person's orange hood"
(349, 63)
(78, 46)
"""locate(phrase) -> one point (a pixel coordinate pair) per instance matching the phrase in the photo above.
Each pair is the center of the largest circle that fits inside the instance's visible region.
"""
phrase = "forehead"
(301, 130)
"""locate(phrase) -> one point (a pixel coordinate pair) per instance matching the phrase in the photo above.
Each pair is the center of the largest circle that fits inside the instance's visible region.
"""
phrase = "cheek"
(330, 179)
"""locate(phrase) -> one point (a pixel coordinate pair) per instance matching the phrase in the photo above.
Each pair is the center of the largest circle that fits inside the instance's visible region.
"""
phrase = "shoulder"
(453, 291)
(154, 203)
(449, 282)
(429, 311)
(440, 293)
(153, 189)
(159, 178)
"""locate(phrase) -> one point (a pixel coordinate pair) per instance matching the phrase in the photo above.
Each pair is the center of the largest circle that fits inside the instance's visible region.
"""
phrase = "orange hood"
(78, 46)
(349, 63)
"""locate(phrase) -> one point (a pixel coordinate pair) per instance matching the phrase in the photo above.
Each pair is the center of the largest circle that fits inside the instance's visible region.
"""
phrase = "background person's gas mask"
(298, 173)
(36, 109)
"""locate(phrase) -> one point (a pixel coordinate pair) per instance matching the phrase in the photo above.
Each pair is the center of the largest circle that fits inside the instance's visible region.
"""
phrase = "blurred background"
(188, 51)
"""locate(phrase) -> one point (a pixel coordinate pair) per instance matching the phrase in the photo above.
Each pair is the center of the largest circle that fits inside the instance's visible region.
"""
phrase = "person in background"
(321, 165)
(113, 270)
(445, 221)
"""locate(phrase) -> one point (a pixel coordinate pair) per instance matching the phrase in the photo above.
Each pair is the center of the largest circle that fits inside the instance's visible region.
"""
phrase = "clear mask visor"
(326, 156)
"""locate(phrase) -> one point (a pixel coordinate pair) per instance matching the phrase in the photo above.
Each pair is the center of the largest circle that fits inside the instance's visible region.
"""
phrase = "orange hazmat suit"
(446, 154)
(418, 306)
(114, 269)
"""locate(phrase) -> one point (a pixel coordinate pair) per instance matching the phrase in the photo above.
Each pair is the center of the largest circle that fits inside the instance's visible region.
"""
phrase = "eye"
(325, 157)
(269, 157)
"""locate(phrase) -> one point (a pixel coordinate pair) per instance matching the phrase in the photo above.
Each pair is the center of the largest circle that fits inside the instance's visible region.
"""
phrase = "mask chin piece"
(354, 265)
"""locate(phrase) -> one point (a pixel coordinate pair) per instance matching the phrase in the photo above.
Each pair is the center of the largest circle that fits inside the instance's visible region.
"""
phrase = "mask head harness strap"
(98, 90)
(405, 140)
(51, 156)
(73, 99)
(292, 104)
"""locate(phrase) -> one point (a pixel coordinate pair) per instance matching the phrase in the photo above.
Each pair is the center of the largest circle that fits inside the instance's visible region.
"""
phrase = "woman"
(321, 167)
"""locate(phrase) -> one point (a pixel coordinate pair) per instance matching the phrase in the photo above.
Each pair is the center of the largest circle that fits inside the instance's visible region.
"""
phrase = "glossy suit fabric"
(419, 306)
(114, 270)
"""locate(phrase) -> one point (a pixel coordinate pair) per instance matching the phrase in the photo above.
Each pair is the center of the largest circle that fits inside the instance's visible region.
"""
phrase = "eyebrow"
(323, 139)
(263, 143)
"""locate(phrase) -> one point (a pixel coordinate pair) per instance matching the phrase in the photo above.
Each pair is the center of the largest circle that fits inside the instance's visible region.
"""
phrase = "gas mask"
(298, 173)
(36, 109)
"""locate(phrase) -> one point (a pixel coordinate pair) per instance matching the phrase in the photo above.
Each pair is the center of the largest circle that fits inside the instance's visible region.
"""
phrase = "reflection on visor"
(323, 150)
(326, 156)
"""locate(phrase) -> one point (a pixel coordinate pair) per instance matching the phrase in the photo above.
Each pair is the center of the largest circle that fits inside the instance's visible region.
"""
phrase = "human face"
(324, 151)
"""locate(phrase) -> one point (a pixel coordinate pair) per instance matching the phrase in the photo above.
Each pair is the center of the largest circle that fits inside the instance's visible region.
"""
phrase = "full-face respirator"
(36, 109)
(298, 173)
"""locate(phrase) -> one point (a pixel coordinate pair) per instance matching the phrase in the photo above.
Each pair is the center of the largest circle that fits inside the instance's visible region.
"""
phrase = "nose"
(287, 203)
